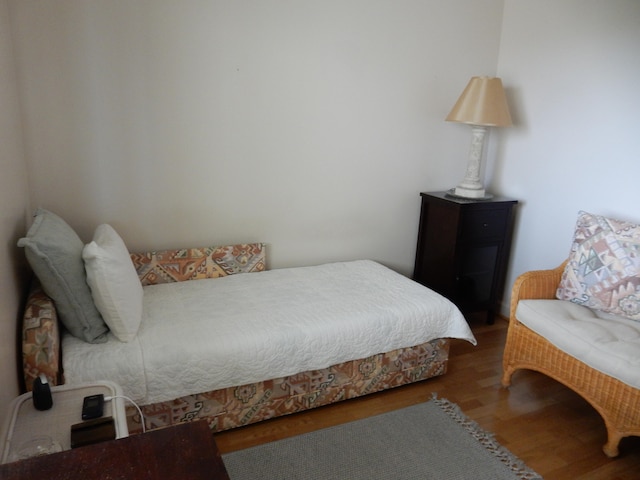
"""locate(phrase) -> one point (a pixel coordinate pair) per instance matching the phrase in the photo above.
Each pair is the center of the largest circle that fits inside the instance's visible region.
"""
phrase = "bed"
(222, 338)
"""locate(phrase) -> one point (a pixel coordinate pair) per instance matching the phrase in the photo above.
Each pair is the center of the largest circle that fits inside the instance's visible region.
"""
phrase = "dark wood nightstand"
(185, 451)
(463, 249)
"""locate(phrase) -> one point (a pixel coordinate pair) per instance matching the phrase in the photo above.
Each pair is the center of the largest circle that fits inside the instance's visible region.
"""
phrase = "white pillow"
(115, 286)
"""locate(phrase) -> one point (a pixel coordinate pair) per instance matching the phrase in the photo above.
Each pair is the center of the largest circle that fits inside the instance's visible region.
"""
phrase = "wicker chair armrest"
(536, 284)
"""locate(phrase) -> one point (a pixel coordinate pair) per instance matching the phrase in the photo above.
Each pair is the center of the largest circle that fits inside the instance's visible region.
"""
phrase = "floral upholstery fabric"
(237, 406)
(198, 263)
(603, 271)
(40, 338)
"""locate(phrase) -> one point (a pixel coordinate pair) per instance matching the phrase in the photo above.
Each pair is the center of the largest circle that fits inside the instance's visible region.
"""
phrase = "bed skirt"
(238, 406)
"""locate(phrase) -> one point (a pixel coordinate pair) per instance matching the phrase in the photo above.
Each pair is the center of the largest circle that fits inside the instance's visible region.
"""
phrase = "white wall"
(311, 126)
(13, 208)
(573, 71)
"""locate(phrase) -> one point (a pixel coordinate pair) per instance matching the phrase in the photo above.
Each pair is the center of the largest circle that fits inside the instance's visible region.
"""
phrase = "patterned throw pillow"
(603, 271)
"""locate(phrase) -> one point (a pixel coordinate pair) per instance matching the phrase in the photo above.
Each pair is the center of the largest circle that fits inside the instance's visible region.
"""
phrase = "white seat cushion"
(610, 345)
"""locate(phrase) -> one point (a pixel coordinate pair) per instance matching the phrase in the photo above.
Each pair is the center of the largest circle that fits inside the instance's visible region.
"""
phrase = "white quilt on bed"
(203, 335)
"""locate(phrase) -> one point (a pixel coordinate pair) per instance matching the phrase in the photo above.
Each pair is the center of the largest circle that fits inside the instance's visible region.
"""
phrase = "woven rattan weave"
(617, 402)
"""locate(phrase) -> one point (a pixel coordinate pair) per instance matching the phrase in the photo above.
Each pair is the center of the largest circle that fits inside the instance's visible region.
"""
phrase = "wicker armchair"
(617, 402)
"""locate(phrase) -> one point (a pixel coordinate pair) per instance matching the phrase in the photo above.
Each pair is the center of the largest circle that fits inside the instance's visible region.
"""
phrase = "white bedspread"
(205, 335)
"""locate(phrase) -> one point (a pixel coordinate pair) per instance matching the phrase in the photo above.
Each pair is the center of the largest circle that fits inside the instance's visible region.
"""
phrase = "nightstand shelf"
(24, 423)
(463, 249)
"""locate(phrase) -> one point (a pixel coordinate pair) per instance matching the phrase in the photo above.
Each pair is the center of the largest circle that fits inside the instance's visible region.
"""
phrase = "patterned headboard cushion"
(40, 328)
(197, 263)
(40, 338)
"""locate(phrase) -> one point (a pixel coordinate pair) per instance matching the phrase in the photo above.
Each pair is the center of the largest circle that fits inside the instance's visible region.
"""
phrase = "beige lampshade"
(482, 102)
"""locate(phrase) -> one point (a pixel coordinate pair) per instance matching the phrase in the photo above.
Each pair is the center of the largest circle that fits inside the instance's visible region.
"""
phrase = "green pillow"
(54, 252)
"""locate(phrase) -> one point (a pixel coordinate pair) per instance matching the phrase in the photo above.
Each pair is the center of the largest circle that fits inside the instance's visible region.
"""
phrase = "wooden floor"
(549, 427)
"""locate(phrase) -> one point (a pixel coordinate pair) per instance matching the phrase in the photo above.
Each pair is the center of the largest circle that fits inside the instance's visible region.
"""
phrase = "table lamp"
(482, 104)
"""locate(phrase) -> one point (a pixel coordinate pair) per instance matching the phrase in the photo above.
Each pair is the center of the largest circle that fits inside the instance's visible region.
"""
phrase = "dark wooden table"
(186, 451)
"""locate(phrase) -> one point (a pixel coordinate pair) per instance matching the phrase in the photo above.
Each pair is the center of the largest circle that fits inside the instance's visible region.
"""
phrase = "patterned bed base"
(237, 406)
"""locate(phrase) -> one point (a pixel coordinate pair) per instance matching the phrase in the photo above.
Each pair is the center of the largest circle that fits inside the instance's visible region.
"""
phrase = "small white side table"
(24, 423)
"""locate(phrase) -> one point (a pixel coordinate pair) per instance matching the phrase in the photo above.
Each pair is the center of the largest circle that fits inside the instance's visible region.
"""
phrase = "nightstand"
(463, 249)
(25, 425)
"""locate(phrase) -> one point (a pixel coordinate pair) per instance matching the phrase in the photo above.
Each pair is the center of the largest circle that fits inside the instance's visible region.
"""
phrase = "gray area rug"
(432, 440)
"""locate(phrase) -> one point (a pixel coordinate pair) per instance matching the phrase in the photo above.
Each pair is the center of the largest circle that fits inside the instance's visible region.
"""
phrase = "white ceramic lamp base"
(471, 186)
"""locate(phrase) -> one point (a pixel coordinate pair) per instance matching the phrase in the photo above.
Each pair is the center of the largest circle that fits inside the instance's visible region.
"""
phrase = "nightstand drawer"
(483, 224)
